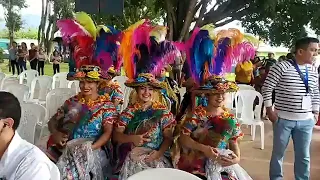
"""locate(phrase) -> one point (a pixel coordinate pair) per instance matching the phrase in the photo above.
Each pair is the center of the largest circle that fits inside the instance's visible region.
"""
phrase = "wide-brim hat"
(144, 79)
(217, 84)
(89, 73)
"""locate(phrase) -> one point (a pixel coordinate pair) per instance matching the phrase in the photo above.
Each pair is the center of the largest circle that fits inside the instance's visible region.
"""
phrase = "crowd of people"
(90, 138)
(19, 55)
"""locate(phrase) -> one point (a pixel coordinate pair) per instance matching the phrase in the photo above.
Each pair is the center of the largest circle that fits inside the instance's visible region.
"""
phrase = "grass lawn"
(48, 70)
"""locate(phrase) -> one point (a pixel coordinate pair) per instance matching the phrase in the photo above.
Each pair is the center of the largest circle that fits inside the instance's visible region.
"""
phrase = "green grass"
(48, 70)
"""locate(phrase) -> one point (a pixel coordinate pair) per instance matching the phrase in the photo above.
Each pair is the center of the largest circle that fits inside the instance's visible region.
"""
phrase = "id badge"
(306, 102)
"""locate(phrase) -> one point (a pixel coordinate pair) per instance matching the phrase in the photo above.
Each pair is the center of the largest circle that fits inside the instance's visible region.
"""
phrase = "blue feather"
(221, 54)
(201, 52)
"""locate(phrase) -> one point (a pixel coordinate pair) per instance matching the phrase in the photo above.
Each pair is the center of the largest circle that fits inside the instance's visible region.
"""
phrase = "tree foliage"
(12, 15)
(134, 10)
(277, 21)
(21, 34)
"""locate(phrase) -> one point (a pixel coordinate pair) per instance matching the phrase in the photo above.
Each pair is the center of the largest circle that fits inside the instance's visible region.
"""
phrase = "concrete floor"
(256, 161)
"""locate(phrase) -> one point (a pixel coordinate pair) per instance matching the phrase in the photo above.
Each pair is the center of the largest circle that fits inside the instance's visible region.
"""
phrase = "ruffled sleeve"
(191, 123)
(125, 117)
(117, 93)
(236, 132)
(167, 120)
(110, 114)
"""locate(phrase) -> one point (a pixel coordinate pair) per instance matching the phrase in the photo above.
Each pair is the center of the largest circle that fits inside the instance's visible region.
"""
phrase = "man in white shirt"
(20, 160)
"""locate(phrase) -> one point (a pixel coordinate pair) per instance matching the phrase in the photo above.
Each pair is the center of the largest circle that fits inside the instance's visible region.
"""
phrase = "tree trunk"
(46, 13)
(41, 21)
(188, 19)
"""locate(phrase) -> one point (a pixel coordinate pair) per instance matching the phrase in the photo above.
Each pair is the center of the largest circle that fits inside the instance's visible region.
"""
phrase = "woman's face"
(88, 88)
(216, 99)
(41, 51)
(145, 93)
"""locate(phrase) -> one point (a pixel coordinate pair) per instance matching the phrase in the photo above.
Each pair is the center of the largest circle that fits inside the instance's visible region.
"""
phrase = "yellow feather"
(105, 28)
(85, 20)
(135, 25)
(210, 28)
(159, 32)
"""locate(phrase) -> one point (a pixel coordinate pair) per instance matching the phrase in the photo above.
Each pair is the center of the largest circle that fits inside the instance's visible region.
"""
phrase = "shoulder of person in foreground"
(36, 166)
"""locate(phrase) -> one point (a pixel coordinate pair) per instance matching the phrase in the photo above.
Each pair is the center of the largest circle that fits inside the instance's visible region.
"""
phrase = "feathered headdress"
(143, 57)
(95, 47)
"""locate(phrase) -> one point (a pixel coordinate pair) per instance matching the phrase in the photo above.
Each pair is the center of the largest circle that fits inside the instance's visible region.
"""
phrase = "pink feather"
(70, 28)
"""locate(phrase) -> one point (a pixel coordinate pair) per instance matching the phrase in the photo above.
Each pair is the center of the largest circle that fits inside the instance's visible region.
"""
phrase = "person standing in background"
(42, 58)
(33, 55)
(270, 61)
(296, 107)
(56, 60)
(22, 55)
(13, 51)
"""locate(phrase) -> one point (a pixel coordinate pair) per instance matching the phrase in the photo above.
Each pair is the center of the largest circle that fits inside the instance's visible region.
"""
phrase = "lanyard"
(303, 77)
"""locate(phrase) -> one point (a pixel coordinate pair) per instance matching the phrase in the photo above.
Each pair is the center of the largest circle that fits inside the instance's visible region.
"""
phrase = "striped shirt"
(290, 90)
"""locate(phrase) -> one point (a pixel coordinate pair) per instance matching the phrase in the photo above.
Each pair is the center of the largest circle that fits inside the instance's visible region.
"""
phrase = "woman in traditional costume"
(163, 53)
(83, 126)
(207, 141)
(143, 133)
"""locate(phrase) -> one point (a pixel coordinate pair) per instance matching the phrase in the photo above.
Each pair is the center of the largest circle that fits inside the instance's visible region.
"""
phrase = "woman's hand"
(210, 152)
(60, 138)
(139, 140)
(153, 156)
(228, 160)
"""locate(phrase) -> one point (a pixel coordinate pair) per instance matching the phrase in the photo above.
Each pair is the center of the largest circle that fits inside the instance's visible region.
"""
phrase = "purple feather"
(221, 53)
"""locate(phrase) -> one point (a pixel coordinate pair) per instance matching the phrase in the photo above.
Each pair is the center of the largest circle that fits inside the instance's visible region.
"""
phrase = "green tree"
(61, 9)
(134, 10)
(12, 15)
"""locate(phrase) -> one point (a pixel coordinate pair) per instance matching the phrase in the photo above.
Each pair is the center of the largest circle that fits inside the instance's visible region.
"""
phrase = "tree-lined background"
(279, 22)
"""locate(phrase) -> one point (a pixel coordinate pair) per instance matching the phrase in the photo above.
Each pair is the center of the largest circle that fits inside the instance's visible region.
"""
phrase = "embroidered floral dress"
(214, 131)
(152, 121)
(115, 93)
(82, 120)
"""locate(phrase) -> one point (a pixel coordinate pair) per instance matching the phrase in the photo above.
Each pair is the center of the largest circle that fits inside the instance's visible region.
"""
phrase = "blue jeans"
(301, 132)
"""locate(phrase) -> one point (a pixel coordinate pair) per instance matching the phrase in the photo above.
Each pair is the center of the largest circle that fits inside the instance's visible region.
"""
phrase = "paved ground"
(256, 161)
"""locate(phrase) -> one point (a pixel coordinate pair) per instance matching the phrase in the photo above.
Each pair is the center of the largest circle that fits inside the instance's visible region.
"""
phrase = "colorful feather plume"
(221, 53)
(92, 45)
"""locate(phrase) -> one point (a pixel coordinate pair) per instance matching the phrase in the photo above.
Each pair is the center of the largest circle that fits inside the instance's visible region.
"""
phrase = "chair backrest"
(8, 80)
(74, 85)
(56, 98)
(163, 173)
(182, 91)
(30, 114)
(28, 75)
(44, 83)
(121, 80)
(2, 76)
(245, 87)
(62, 79)
(229, 98)
(248, 98)
(127, 92)
(19, 90)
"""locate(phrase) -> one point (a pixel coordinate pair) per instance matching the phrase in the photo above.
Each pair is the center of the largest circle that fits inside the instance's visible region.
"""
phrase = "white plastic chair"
(245, 87)
(44, 83)
(54, 100)
(127, 92)
(19, 90)
(163, 173)
(62, 79)
(28, 75)
(2, 76)
(229, 98)
(31, 114)
(182, 91)
(248, 116)
(74, 85)
(8, 80)
(121, 80)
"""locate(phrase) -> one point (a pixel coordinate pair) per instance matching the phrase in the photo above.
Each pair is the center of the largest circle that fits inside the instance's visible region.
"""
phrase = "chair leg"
(251, 130)
(253, 127)
(262, 136)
